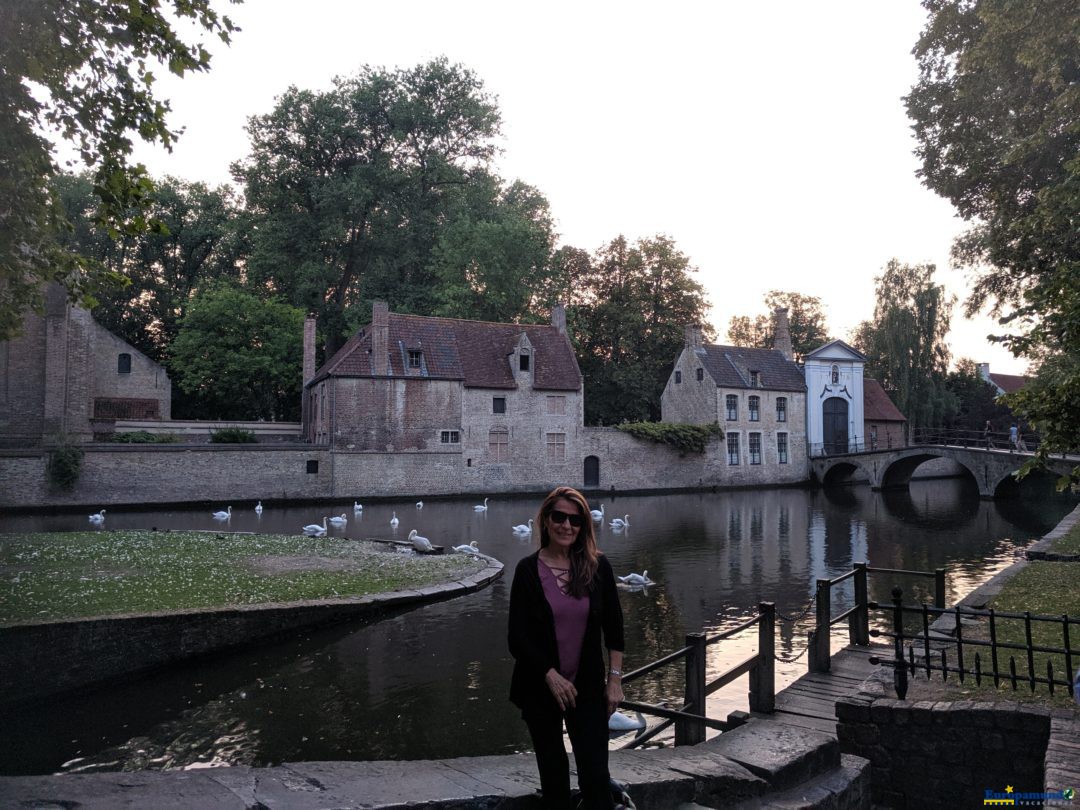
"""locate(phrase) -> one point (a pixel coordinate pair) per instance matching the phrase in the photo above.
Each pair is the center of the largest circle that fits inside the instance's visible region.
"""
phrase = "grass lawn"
(1044, 588)
(1069, 543)
(74, 575)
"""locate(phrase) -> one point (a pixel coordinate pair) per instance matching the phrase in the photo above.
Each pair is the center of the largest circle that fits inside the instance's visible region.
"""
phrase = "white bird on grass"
(98, 518)
(340, 521)
(469, 549)
(522, 528)
(258, 508)
(223, 515)
(315, 528)
(356, 507)
(420, 543)
(621, 523)
(598, 514)
(481, 508)
(622, 723)
(637, 580)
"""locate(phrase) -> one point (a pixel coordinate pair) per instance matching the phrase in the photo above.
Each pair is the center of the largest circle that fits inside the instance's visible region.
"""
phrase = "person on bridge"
(987, 428)
(1014, 437)
(563, 598)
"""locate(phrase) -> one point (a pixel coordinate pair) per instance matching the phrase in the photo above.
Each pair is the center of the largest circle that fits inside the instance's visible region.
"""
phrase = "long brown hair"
(584, 553)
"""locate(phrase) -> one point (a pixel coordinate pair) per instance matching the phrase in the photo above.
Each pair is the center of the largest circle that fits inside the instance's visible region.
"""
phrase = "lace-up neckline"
(562, 576)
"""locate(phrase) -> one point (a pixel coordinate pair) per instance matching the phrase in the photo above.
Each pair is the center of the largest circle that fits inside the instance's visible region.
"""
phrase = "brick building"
(66, 371)
(504, 396)
(883, 424)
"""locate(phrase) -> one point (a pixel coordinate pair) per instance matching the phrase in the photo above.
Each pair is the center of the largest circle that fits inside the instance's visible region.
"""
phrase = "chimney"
(309, 350)
(380, 337)
(984, 372)
(782, 333)
(692, 336)
(558, 318)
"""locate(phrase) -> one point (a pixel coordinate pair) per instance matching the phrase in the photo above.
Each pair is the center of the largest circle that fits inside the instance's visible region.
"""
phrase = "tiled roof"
(877, 407)
(1008, 382)
(475, 352)
(730, 367)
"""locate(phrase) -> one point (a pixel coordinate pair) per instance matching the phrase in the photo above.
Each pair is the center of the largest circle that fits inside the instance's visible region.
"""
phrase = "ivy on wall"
(684, 438)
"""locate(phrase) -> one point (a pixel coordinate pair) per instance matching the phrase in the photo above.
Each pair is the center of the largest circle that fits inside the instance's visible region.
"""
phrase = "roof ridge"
(463, 320)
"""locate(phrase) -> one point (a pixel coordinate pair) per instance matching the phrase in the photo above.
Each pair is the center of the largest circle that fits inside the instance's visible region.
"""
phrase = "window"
(834, 377)
(733, 449)
(556, 405)
(498, 404)
(781, 409)
(781, 448)
(450, 437)
(700, 373)
(523, 362)
(678, 377)
(123, 364)
(732, 402)
(414, 358)
(755, 379)
(754, 407)
(499, 444)
(312, 466)
(755, 448)
(556, 447)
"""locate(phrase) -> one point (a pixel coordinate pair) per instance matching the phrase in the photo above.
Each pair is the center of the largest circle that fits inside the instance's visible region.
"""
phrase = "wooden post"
(691, 732)
(859, 621)
(939, 588)
(763, 675)
(900, 679)
(818, 660)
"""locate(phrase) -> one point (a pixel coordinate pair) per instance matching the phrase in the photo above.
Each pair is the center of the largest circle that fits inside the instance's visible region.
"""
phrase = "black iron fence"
(1026, 441)
(961, 656)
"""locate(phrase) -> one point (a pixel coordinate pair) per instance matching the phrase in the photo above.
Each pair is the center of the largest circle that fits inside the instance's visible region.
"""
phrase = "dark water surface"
(431, 682)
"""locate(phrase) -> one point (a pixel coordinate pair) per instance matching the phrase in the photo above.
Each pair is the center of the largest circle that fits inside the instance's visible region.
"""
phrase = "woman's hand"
(563, 690)
(614, 694)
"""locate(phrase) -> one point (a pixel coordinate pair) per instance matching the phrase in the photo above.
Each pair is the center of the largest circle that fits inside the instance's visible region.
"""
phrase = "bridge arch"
(898, 473)
(845, 471)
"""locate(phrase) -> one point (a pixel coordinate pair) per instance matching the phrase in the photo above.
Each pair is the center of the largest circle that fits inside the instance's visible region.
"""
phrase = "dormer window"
(700, 373)
(414, 358)
(755, 379)
(835, 375)
(123, 363)
(678, 377)
(523, 362)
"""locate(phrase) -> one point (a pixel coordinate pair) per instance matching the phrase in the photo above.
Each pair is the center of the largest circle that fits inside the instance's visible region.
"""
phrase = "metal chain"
(798, 617)
(785, 660)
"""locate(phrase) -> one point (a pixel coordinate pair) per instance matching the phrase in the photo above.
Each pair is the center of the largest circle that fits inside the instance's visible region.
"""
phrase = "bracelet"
(614, 671)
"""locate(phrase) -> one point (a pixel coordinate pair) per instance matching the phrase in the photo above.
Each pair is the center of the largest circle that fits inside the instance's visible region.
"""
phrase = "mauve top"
(571, 615)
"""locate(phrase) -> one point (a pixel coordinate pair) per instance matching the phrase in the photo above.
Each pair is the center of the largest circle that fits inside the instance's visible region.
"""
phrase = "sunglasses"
(577, 521)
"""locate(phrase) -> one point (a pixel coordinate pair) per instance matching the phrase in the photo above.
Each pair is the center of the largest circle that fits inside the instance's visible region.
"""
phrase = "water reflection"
(432, 682)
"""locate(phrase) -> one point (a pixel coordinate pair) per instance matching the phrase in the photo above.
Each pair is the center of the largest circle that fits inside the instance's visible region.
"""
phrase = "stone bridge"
(892, 469)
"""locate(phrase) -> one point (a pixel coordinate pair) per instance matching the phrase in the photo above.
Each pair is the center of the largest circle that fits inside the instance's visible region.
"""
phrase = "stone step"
(846, 787)
(782, 755)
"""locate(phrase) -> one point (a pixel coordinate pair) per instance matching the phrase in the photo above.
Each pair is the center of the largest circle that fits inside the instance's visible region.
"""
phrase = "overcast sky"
(769, 140)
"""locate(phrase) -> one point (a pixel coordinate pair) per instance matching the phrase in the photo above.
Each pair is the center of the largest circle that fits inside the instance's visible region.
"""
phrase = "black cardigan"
(532, 636)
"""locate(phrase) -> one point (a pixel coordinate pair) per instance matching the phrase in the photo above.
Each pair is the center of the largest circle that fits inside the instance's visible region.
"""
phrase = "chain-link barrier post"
(691, 732)
(818, 661)
(859, 621)
(763, 675)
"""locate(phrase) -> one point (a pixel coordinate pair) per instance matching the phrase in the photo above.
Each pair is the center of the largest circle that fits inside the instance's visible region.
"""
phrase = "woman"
(562, 600)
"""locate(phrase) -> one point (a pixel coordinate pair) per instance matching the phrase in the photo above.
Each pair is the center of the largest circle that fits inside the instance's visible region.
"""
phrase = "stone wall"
(944, 755)
(146, 380)
(22, 385)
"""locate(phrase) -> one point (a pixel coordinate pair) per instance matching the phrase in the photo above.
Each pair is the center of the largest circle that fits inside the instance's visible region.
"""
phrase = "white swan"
(637, 579)
(315, 528)
(258, 508)
(621, 523)
(394, 521)
(420, 543)
(521, 528)
(340, 521)
(357, 507)
(623, 722)
(469, 549)
(223, 515)
(598, 514)
(479, 508)
(98, 518)
(419, 504)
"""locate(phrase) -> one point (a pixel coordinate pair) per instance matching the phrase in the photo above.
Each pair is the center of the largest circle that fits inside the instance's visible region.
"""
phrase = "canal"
(432, 682)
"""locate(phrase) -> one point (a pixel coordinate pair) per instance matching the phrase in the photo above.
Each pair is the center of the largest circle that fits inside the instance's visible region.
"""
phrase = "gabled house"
(834, 399)
(758, 397)
(1002, 383)
(494, 393)
(883, 425)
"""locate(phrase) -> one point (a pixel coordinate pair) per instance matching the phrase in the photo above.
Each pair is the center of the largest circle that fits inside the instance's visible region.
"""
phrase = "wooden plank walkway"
(810, 701)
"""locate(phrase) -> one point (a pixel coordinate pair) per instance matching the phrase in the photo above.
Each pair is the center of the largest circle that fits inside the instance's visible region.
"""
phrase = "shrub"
(65, 464)
(684, 438)
(143, 437)
(232, 435)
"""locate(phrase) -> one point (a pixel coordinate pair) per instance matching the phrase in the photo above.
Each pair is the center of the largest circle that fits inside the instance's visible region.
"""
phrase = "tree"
(83, 71)
(805, 318)
(348, 189)
(629, 306)
(995, 114)
(239, 357)
(905, 343)
(199, 240)
(976, 400)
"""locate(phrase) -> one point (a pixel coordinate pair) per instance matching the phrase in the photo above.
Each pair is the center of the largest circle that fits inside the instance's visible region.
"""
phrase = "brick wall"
(690, 401)
(145, 381)
(22, 385)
